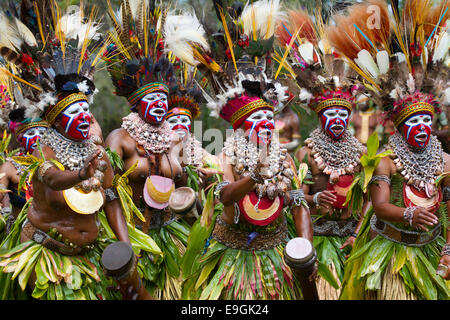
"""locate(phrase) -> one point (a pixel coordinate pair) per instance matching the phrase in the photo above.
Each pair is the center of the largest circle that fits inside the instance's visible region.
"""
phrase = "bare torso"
(166, 165)
(50, 210)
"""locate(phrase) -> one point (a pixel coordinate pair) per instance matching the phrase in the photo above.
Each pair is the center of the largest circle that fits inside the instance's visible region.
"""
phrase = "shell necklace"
(335, 157)
(154, 139)
(244, 156)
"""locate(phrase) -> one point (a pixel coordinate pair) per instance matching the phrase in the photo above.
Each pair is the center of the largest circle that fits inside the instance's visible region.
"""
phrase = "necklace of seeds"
(419, 167)
(71, 154)
(154, 139)
(335, 157)
(244, 155)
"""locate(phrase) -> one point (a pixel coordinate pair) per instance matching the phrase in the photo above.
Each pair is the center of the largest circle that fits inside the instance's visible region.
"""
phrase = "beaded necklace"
(71, 154)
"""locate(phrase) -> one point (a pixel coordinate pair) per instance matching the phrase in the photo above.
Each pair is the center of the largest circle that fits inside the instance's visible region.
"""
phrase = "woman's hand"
(326, 199)
(422, 218)
(90, 165)
(348, 243)
(445, 260)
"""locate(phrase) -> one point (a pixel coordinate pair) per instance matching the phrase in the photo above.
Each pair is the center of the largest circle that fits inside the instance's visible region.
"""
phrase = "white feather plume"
(73, 27)
(383, 61)
(13, 33)
(266, 13)
(442, 47)
(367, 64)
(411, 84)
(182, 31)
(305, 95)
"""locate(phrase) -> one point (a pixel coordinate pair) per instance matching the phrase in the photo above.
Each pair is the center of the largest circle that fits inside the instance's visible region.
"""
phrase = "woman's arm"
(113, 208)
(62, 180)
(235, 190)
(381, 192)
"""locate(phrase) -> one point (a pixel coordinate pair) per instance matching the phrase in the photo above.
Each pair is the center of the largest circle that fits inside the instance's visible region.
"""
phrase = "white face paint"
(419, 119)
(30, 137)
(76, 119)
(335, 121)
(262, 123)
(420, 127)
(181, 124)
(154, 106)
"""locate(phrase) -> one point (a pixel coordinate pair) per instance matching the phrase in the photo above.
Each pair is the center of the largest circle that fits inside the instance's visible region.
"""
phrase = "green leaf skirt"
(164, 280)
(381, 269)
(230, 274)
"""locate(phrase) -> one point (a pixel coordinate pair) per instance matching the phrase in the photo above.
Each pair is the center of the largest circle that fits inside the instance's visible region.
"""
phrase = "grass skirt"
(231, 274)
(382, 269)
(60, 277)
(331, 266)
(164, 280)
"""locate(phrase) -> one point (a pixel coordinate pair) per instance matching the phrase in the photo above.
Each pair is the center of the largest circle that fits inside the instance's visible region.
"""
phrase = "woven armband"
(219, 188)
(43, 169)
(297, 197)
(381, 178)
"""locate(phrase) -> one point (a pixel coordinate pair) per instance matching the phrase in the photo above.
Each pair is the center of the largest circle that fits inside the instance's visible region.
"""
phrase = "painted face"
(30, 137)
(76, 120)
(154, 107)
(259, 126)
(417, 130)
(181, 124)
(335, 121)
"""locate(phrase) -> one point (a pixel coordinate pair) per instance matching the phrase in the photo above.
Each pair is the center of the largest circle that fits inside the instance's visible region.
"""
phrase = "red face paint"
(154, 107)
(417, 130)
(29, 138)
(334, 121)
(259, 126)
(76, 120)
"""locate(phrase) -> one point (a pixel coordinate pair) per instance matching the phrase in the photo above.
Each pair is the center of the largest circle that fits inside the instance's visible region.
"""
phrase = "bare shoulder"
(46, 151)
(7, 168)
(385, 167)
(117, 137)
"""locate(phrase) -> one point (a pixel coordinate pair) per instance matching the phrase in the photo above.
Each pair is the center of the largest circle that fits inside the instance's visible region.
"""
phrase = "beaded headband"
(53, 111)
(249, 108)
(30, 125)
(179, 112)
(334, 102)
(410, 110)
(149, 88)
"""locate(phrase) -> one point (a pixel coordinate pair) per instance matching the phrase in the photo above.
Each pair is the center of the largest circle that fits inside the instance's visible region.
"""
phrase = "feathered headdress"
(135, 59)
(52, 63)
(401, 60)
(323, 77)
(236, 60)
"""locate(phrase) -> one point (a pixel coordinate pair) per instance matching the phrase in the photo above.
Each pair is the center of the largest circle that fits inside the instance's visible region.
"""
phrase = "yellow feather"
(230, 42)
(39, 22)
(291, 42)
(20, 79)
